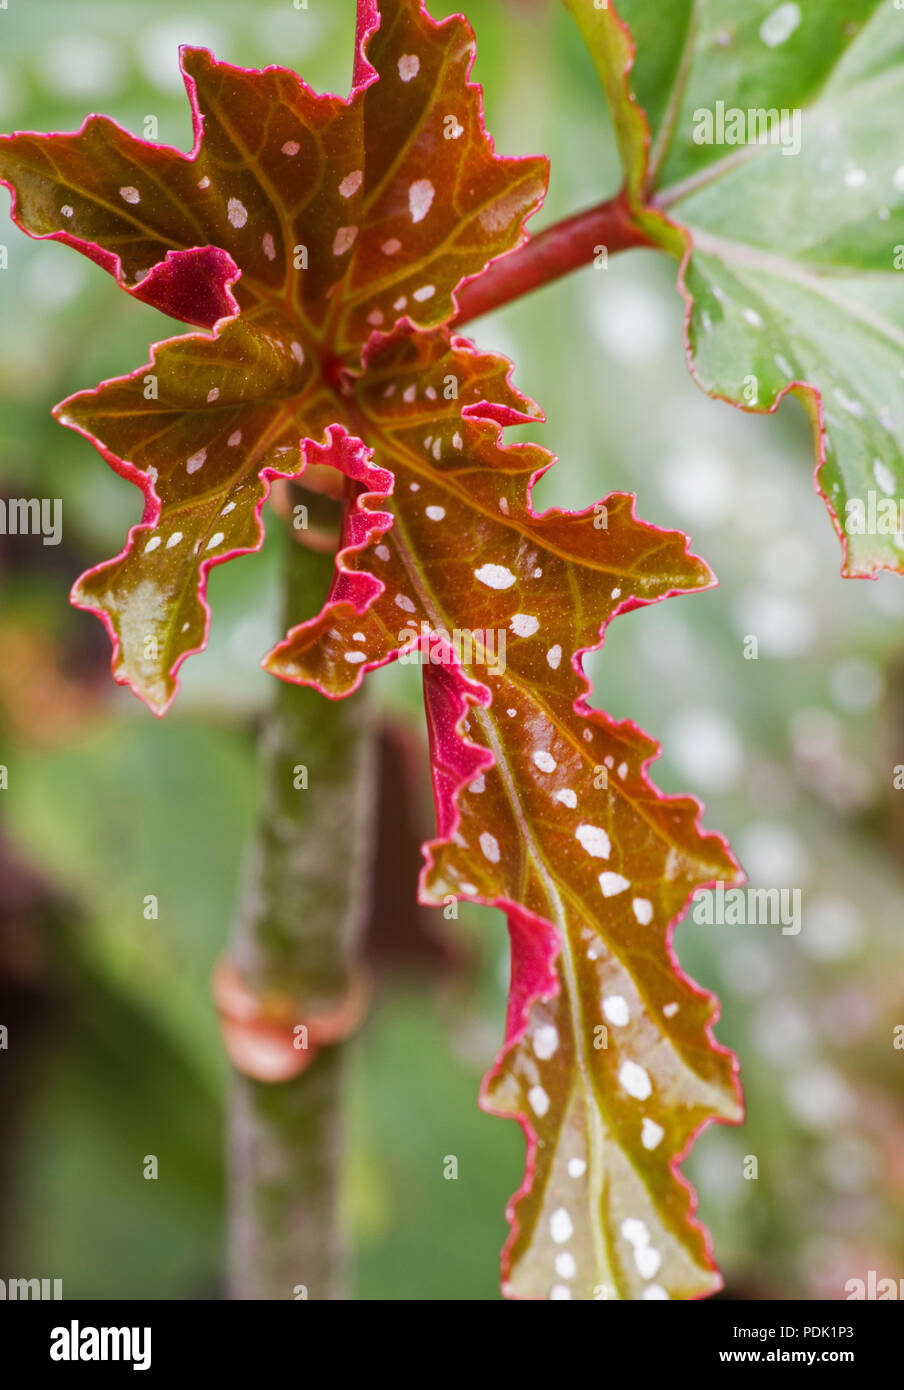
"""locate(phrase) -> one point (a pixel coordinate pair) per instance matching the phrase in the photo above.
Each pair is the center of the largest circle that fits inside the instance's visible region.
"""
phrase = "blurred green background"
(113, 1047)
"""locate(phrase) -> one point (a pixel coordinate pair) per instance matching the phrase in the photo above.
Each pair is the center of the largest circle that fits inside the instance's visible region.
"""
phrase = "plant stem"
(564, 247)
(298, 933)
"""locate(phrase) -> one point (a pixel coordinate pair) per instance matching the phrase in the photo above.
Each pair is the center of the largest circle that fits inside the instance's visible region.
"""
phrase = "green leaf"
(792, 246)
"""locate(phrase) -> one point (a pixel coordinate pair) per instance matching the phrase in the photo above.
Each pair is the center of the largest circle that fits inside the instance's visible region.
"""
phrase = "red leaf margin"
(449, 695)
(534, 941)
(195, 285)
(172, 286)
(167, 286)
(311, 452)
(176, 285)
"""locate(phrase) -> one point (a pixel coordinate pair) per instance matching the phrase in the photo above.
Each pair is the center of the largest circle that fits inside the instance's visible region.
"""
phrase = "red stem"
(554, 252)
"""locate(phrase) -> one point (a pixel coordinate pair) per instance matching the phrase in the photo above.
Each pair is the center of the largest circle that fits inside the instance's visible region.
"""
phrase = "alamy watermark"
(731, 125)
(875, 516)
(872, 1287)
(435, 646)
(78, 1343)
(22, 1290)
(32, 516)
(748, 907)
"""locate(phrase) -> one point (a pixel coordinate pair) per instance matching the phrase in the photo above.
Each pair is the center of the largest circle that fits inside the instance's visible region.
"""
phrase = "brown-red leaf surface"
(319, 242)
(544, 808)
(326, 221)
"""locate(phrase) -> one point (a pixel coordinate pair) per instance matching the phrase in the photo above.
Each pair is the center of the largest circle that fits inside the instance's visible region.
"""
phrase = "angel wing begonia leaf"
(324, 221)
(762, 146)
(544, 808)
(321, 241)
(205, 427)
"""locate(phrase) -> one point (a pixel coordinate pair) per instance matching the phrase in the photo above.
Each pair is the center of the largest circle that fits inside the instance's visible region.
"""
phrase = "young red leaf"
(544, 808)
(322, 241)
(609, 1065)
(326, 221)
(762, 148)
(202, 429)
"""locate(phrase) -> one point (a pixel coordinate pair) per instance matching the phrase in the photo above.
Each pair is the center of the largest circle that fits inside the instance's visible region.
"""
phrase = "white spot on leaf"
(647, 1260)
(651, 1133)
(611, 884)
(884, 477)
(420, 199)
(594, 840)
(616, 1010)
(489, 846)
(635, 1080)
(538, 1100)
(546, 1040)
(495, 576)
(778, 27)
(344, 240)
(560, 1227)
(351, 183)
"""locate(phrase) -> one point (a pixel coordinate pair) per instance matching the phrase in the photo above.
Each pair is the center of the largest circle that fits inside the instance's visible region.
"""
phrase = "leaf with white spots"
(299, 227)
(322, 242)
(792, 245)
(204, 457)
(544, 808)
(334, 210)
(609, 1065)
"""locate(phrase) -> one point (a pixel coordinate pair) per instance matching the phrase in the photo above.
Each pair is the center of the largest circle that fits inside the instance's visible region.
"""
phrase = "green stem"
(298, 933)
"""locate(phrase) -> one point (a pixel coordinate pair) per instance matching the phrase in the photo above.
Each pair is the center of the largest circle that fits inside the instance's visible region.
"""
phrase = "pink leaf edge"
(534, 942)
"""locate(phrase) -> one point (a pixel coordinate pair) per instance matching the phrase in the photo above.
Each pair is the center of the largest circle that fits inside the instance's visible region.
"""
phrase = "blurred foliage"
(794, 751)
